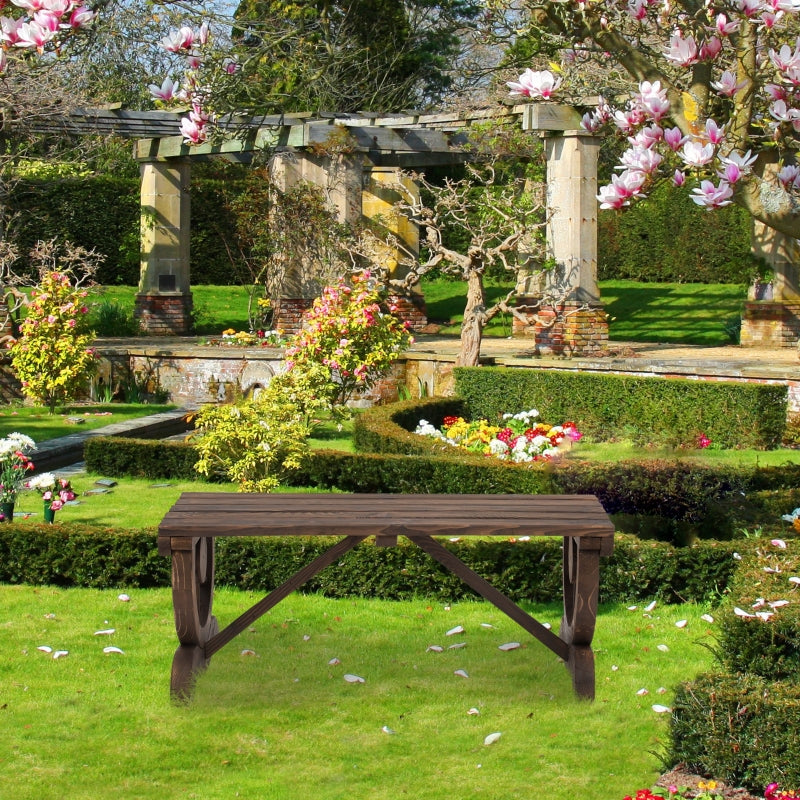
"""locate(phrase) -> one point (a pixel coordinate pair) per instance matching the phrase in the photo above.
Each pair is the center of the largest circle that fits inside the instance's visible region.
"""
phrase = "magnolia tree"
(717, 107)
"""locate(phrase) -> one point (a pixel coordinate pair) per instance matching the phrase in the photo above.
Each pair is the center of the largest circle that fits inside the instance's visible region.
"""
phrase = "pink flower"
(165, 92)
(696, 154)
(678, 178)
(675, 139)
(536, 85)
(710, 196)
(682, 52)
(727, 85)
(181, 39)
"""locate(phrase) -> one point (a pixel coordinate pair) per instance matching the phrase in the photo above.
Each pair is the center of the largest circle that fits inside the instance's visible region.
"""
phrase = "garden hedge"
(70, 554)
(647, 410)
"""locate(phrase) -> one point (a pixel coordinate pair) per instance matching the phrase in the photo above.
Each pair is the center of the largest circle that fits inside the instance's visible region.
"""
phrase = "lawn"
(681, 313)
(40, 425)
(284, 721)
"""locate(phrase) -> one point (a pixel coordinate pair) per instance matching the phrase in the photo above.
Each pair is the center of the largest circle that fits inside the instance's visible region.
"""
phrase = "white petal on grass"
(247, 652)
(492, 738)
(123, 598)
(546, 625)
(473, 712)
(740, 612)
(778, 603)
(707, 618)
(454, 539)
(434, 648)
(112, 649)
(794, 579)
(45, 648)
(524, 539)
(614, 667)
(387, 729)
(663, 648)
(659, 709)
(772, 570)
(454, 631)
(306, 637)
(632, 608)
(462, 673)
(650, 606)
(779, 543)
(764, 615)
(457, 646)
(509, 646)
(642, 692)
(334, 662)
(661, 690)
(353, 678)
(105, 632)
(681, 623)
(737, 557)
(60, 653)
(486, 625)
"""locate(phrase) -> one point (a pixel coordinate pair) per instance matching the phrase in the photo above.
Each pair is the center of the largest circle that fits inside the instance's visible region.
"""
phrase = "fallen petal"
(45, 648)
(681, 623)
(794, 579)
(779, 543)
(454, 631)
(659, 709)
(650, 606)
(707, 618)
(333, 662)
(524, 539)
(642, 692)
(492, 738)
(106, 632)
(760, 601)
(661, 690)
(486, 625)
(740, 612)
(764, 615)
(473, 712)
(663, 648)
(454, 539)
(509, 646)
(113, 649)
(60, 653)
(772, 570)
(353, 678)
(547, 625)
(462, 673)
(434, 648)
(614, 667)
(387, 729)
(306, 637)
(737, 557)
(632, 608)
(779, 603)
(123, 598)
(247, 652)
(457, 646)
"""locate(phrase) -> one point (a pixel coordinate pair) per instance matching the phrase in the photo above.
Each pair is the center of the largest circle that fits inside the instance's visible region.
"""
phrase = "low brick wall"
(570, 329)
(770, 324)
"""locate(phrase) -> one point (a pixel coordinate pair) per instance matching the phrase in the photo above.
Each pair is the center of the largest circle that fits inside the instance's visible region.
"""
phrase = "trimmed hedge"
(81, 555)
(742, 729)
(118, 456)
(651, 410)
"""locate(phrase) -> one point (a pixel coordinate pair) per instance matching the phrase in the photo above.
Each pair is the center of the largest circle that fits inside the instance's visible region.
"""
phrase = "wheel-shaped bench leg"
(581, 587)
(192, 598)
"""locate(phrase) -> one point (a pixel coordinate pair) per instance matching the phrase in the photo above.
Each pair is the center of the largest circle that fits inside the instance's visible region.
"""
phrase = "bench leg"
(581, 588)
(192, 597)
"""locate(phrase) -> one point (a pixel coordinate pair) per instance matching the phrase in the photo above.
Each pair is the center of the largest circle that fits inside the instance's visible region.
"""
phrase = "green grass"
(284, 722)
(680, 313)
(36, 422)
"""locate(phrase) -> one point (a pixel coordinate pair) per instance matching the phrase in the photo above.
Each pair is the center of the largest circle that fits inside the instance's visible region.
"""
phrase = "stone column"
(164, 300)
(378, 206)
(566, 300)
(772, 312)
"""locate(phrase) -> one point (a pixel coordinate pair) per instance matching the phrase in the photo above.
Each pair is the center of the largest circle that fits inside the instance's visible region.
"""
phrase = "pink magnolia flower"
(622, 188)
(789, 177)
(679, 178)
(165, 92)
(675, 139)
(536, 85)
(710, 196)
(682, 52)
(591, 122)
(714, 133)
(785, 58)
(697, 154)
(637, 9)
(9, 29)
(710, 49)
(641, 159)
(193, 132)
(181, 39)
(727, 85)
(748, 7)
(724, 26)
(769, 19)
(647, 137)
(32, 34)
(653, 98)
(81, 17)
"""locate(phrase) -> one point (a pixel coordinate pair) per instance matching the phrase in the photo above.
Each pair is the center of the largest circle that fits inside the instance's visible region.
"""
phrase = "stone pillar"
(771, 315)
(164, 300)
(566, 314)
(380, 195)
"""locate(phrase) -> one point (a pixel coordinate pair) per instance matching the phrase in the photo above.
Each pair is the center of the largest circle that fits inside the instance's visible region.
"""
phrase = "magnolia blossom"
(682, 52)
(622, 189)
(789, 177)
(536, 85)
(653, 99)
(714, 133)
(641, 159)
(678, 178)
(727, 85)
(697, 154)
(181, 39)
(710, 196)
(675, 139)
(166, 91)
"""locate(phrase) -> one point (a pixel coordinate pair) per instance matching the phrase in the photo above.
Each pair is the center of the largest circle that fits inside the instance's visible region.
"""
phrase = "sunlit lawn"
(284, 723)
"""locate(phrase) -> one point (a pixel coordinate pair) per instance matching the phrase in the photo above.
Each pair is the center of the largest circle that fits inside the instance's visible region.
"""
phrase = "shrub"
(663, 411)
(118, 456)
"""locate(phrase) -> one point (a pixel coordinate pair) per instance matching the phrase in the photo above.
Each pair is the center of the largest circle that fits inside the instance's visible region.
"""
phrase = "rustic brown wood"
(189, 528)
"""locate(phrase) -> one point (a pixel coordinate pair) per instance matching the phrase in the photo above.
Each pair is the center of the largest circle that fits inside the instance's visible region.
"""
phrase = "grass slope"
(284, 721)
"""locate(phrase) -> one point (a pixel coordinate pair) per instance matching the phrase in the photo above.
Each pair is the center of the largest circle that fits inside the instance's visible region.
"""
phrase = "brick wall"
(164, 315)
(568, 329)
(770, 324)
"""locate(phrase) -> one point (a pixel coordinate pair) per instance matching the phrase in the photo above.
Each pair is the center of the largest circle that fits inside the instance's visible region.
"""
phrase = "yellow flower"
(228, 332)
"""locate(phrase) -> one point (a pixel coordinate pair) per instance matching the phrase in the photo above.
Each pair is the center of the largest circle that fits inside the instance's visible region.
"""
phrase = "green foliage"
(255, 443)
(667, 237)
(52, 356)
(662, 411)
(110, 318)
(346, 344)
(742, 729)
(118, 456)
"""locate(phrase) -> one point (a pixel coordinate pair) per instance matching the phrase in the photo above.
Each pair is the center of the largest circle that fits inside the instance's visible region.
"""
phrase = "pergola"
(358, 185)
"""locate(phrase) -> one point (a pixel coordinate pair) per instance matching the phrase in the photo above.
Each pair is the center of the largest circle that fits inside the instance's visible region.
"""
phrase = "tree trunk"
(474, 321)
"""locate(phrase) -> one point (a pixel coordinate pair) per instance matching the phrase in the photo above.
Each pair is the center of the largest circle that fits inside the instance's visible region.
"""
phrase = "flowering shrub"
(14, 464)
(519, 438)
(774, 792)
(255, 443)
(52, 357)
(55, 491)
(706, 791)
(347, 342)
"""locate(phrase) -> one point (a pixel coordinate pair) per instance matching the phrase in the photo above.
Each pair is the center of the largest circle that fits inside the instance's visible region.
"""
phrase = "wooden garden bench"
(188, 531)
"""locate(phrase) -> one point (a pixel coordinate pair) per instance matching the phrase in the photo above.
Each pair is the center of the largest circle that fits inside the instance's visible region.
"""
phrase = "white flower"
(42, 483)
